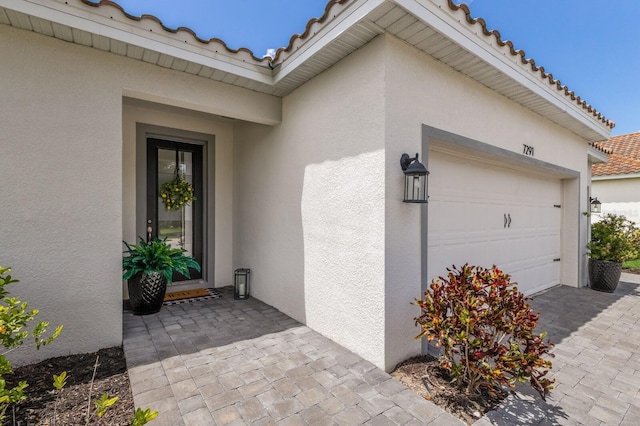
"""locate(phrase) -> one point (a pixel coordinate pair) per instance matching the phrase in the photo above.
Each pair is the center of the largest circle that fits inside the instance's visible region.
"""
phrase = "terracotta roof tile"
(281, 50)
(327, 14)
(624, 158)
(545, 75)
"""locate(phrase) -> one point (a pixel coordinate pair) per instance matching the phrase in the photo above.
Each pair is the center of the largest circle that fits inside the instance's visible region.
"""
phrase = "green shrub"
(485, 328)
(14, 319)
(614, 238)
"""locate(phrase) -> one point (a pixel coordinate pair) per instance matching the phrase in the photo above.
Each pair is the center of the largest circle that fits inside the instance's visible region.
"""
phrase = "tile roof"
(283, 51)
(624, 157)
(535, 68)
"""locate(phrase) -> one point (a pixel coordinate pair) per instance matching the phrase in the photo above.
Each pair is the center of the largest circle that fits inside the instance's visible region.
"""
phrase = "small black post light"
(241, 283)
(596, 206)
(415, 179)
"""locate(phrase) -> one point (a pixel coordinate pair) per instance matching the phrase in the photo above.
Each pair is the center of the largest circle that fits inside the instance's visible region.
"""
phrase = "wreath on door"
(177, 194)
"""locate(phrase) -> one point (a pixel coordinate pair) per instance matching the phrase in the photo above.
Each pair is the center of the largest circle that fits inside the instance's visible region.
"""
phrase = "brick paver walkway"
(596, 364)
(227, 362)
(243, 362)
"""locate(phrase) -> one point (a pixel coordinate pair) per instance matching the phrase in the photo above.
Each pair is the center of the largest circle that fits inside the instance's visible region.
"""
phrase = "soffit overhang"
(438, 28)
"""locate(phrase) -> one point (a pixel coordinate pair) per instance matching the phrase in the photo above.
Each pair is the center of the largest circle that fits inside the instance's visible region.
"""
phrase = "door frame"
(153, 146)
(145, 131)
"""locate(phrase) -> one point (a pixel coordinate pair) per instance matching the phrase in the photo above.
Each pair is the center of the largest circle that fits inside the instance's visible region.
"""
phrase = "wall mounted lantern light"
(415, 179)
(596, 206)
(241, 283)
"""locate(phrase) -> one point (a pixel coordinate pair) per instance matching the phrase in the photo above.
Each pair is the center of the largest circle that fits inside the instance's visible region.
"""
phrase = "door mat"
(185, 296)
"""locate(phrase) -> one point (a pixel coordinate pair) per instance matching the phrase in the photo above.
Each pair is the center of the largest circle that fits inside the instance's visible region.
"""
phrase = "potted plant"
(149, 267)
(613, 241)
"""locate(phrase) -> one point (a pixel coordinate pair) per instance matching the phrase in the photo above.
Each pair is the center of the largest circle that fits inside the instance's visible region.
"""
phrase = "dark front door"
(183, 227)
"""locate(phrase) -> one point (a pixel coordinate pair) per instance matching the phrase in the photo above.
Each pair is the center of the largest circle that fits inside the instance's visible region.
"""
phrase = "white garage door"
(484, 213)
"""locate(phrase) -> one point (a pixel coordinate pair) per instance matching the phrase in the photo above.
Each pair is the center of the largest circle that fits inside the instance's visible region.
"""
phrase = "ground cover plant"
(632, 264)
(486, 331)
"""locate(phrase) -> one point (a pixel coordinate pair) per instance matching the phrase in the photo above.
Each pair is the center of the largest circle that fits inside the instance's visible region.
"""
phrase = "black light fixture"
(415, 179)
(596, 206)
(241, 283)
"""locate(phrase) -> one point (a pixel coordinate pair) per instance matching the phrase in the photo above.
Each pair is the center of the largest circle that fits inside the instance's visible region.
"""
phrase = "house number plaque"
(527, 150)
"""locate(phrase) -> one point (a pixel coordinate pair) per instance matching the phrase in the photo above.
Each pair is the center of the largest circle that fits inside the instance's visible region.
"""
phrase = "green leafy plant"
(59, 382)
(140, 418)
(14, 321)
(177, 194)
(156, 256)
(614, 238)
(103, 404)
(485, 328)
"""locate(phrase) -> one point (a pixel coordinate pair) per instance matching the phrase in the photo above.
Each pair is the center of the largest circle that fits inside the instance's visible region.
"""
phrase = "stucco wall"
(299, 191)
(420, 90)
(618, 196)
(61, 204)
(309, 212)
(62, 171)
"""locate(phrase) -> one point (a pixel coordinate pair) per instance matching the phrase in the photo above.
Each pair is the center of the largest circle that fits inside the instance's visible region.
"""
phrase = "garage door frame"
(569, 177)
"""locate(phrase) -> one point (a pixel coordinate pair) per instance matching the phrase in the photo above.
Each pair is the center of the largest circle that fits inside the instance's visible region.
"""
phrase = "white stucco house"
(297, 160)
(616, 183)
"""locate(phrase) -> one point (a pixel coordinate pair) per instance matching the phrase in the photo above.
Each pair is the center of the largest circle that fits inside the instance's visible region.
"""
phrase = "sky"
(592, 46)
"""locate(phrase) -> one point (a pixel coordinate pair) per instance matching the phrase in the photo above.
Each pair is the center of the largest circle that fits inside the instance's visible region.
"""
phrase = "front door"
(182, 228)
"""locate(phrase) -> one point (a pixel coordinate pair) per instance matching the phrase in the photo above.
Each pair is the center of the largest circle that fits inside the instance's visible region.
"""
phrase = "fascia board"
(354, 14)
(445, 23)
(614, 177)
(596, 156)
(51, 12)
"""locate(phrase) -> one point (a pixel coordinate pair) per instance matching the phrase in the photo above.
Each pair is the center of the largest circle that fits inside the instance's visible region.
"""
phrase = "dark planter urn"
(146, 293)
(604, 275)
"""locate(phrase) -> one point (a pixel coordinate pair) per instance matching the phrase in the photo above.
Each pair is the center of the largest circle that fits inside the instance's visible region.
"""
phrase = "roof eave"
(345, 27)
(147, 34)
(462, 32)
(596, 156)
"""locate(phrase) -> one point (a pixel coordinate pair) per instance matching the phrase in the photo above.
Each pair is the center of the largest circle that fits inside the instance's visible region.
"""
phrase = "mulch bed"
(71, 404)
(442, 392)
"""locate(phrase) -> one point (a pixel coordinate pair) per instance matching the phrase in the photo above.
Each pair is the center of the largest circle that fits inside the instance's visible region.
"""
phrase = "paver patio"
(224, 361)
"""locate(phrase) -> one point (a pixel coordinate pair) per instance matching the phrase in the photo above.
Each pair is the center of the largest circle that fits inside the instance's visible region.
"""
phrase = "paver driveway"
(243, 362)
(596, 364)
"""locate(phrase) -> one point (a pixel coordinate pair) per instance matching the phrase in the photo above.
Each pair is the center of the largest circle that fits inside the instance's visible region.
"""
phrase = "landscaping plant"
(486, 330)
(140, 418)
(156, 256)
(614, 238)
(14, 319)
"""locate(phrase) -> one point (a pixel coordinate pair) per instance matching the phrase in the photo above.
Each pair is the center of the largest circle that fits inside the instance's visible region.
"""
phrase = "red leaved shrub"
(486, 330)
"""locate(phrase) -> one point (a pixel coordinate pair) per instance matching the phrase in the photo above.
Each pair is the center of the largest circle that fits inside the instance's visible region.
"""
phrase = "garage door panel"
(469, 203)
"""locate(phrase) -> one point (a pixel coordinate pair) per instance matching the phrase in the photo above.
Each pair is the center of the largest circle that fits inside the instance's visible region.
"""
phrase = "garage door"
(485, 213)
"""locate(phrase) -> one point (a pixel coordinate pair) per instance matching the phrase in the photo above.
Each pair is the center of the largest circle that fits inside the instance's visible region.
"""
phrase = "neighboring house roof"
(345, 26)
(624, 156)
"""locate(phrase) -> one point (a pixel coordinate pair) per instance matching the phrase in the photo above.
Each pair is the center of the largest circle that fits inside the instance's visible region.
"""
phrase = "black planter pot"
(146, 293)
(604, 275)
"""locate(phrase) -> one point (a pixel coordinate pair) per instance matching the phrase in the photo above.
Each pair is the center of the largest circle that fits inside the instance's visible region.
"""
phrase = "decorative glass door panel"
(181, 226)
